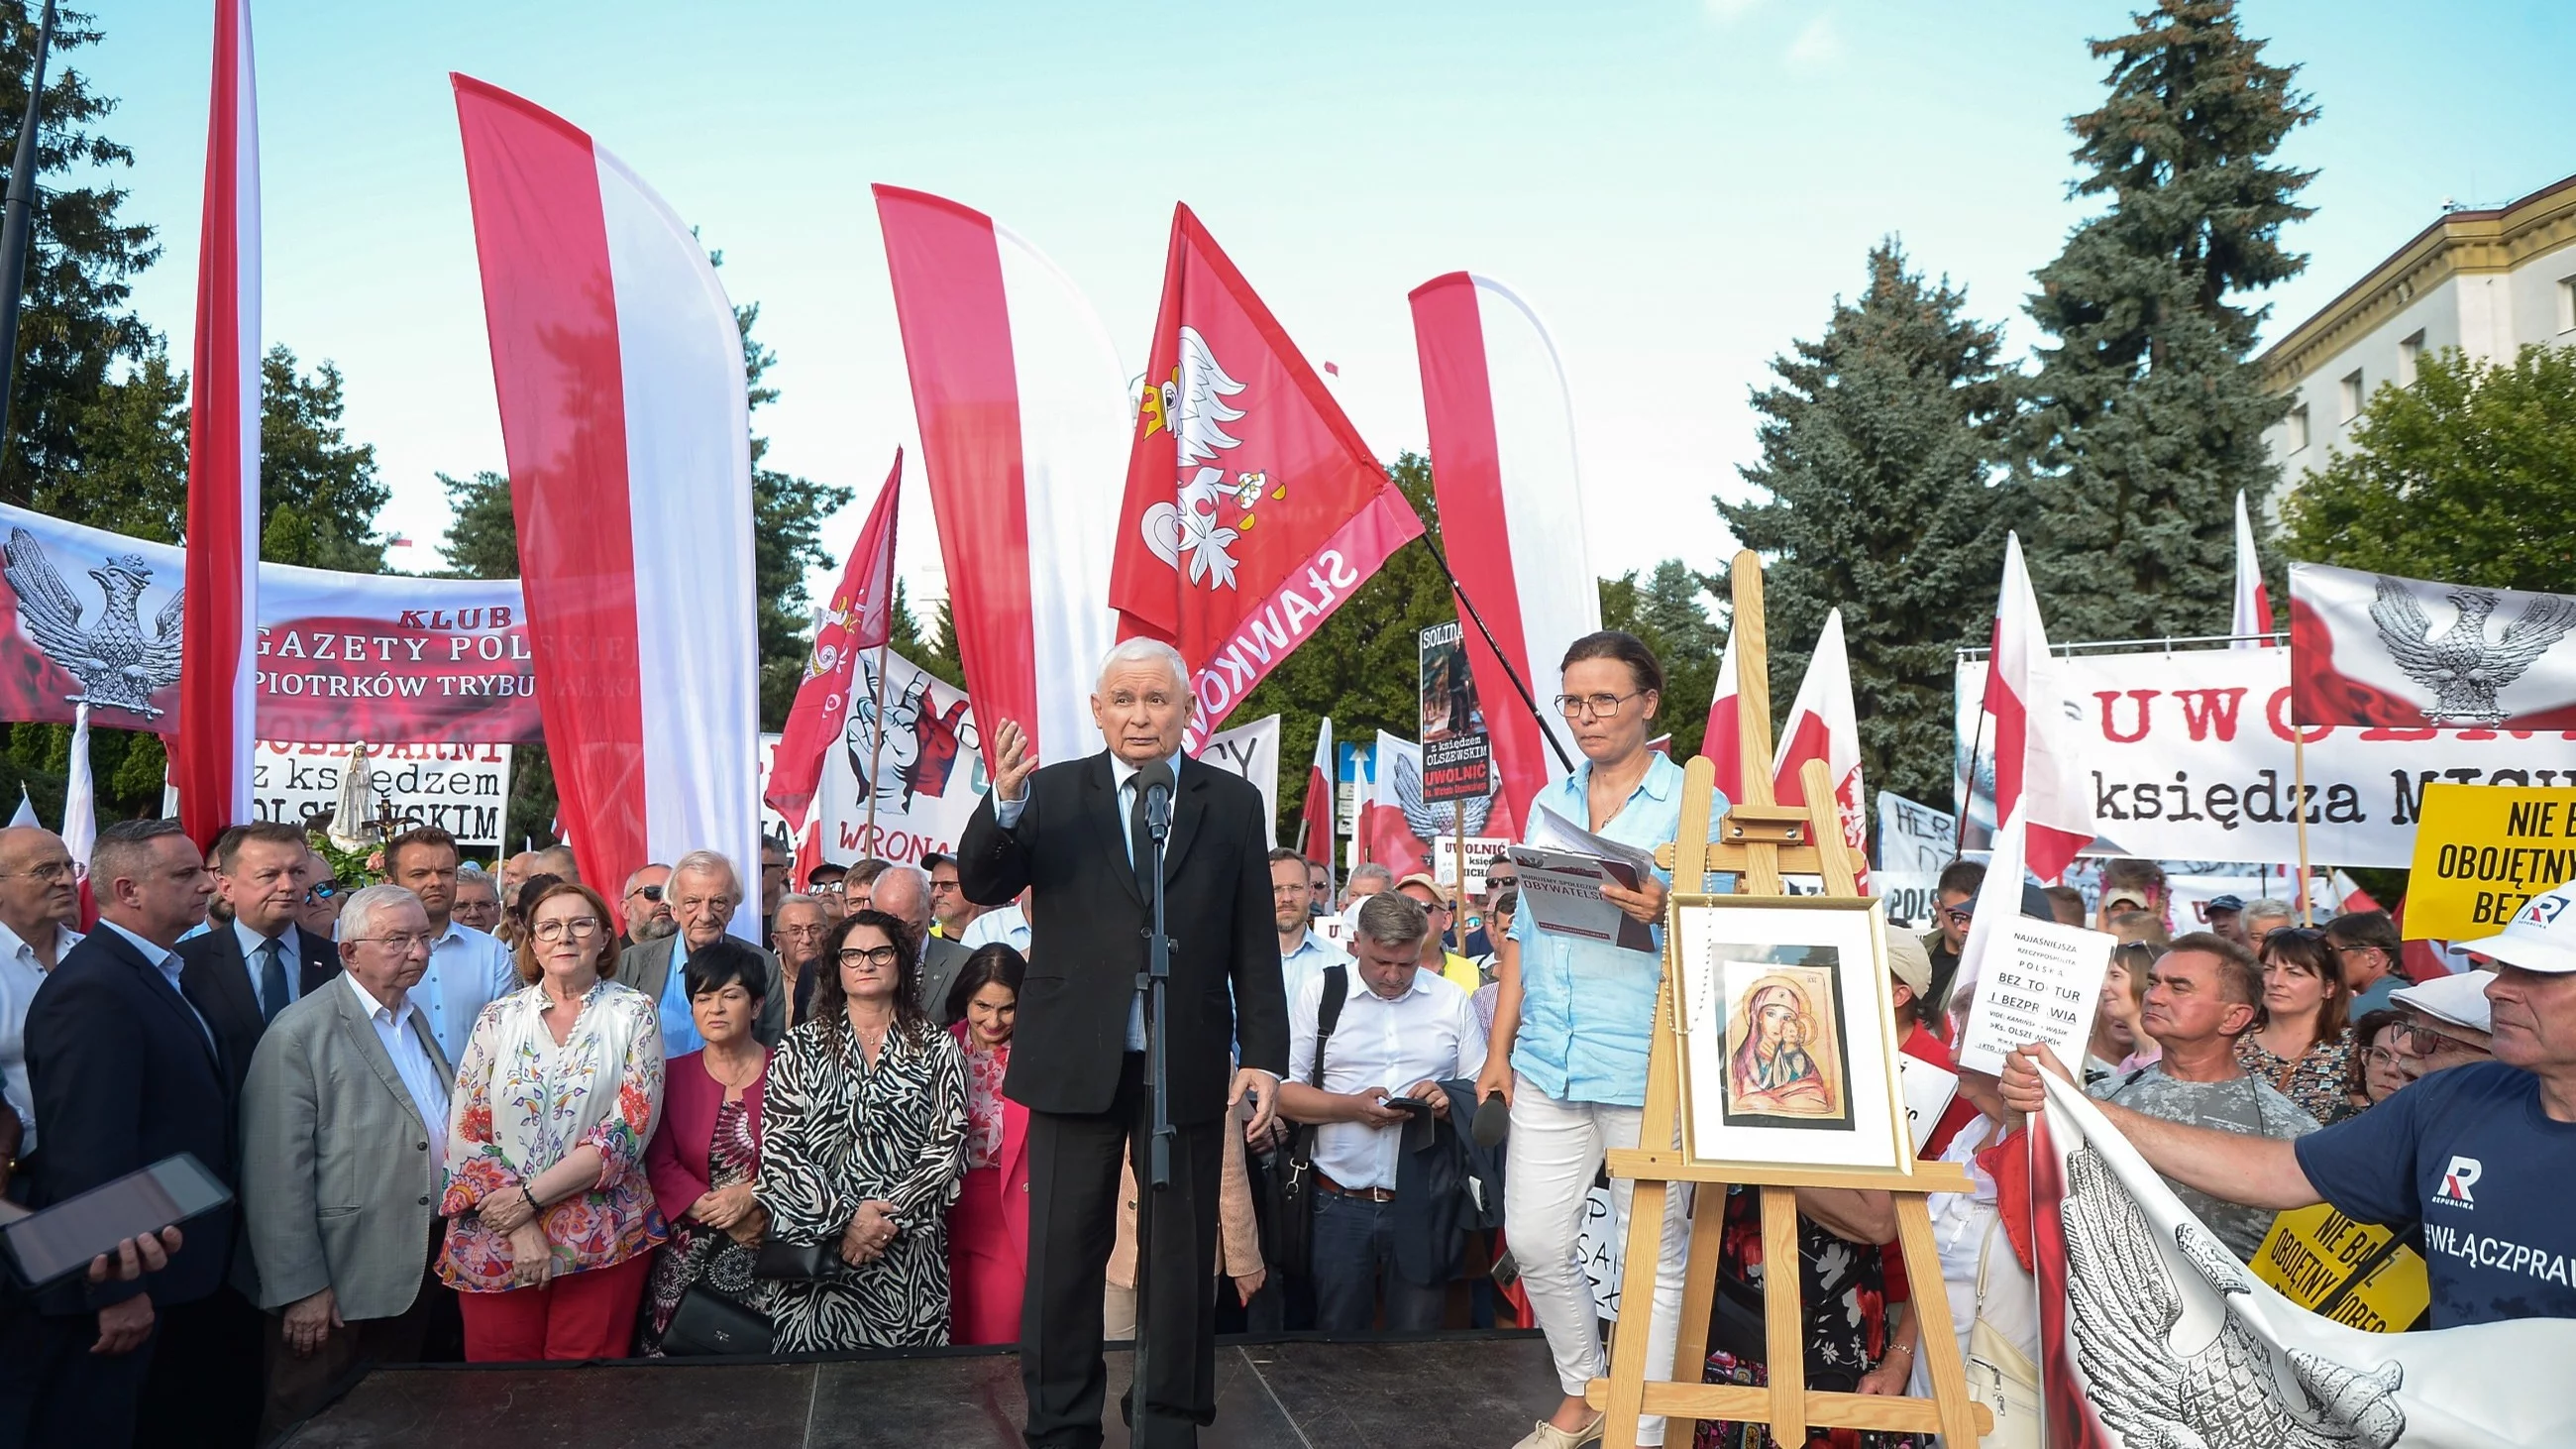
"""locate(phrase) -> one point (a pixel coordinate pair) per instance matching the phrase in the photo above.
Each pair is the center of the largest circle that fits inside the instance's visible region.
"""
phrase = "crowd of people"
(478, 1114)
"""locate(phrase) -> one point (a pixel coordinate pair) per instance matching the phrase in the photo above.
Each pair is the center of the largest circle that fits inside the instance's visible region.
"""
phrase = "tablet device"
(60, 1241)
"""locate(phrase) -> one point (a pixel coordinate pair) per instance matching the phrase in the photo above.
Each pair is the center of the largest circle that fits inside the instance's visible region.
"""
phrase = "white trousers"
(1555, 1149)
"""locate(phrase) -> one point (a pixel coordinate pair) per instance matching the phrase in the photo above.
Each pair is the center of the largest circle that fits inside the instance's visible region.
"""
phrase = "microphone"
(1156, 781)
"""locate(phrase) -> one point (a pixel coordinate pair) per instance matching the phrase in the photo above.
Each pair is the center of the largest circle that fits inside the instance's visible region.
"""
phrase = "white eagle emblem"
(1192, 404)
(118, 668)
(2462, 666)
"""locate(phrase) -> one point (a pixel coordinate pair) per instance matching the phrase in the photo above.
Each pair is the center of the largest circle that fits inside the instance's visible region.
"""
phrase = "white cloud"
(1817, 46)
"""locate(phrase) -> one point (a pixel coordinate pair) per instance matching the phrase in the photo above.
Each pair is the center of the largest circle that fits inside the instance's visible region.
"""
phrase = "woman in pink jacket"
(988, 1229)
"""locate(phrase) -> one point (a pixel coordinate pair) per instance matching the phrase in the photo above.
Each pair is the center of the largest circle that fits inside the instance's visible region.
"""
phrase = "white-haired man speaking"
(1075, 834)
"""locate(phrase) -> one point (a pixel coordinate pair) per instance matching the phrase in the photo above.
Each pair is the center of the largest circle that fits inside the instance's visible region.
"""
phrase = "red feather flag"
(859, 618)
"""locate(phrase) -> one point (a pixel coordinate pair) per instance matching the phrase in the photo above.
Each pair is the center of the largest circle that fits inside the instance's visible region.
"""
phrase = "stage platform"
(1443, 1391)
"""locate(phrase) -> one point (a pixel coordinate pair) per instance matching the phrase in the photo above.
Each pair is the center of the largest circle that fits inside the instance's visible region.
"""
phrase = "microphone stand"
(1158, 1144)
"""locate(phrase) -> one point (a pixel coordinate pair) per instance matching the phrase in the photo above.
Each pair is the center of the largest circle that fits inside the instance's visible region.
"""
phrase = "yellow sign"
(2351, 1272)
(2483, 850)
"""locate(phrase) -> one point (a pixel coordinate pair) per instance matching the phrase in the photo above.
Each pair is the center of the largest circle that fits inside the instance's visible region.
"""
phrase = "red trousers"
(577, 1316)
(987, 1264)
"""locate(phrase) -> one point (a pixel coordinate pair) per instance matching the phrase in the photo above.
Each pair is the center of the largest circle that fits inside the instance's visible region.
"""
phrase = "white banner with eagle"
(2375, 649)
(93, 617)
(2153, 1335)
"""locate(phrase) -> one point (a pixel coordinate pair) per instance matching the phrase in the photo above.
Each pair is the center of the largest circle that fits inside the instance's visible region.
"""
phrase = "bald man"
(39, 898)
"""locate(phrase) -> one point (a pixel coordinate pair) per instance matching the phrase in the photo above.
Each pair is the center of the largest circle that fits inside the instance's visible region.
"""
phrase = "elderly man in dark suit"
(1077, 834)
(704, 892)
(242, 974)
(127, 1072)
(344, 1136)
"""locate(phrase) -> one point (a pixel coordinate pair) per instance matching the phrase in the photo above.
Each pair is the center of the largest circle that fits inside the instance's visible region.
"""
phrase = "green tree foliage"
(318, 492)
(2467, 476)
(1664, 609)
(1363, 665)
(2146, 415)
(482, 533)
(786, 539)
(1880, 443)
(74, 327)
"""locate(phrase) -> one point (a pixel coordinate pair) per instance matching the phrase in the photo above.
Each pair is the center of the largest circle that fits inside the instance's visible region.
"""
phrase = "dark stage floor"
(1446, 1392)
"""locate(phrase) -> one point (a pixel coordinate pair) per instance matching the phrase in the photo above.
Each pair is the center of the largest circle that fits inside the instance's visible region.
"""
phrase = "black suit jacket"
(124, 1077)
(217, 979)
(1087, 936)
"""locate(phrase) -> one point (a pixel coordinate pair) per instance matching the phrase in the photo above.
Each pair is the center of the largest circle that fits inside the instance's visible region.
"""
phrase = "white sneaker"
(1545, 1435)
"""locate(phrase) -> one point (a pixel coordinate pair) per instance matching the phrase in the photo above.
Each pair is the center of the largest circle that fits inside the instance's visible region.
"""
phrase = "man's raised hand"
(1013, 761)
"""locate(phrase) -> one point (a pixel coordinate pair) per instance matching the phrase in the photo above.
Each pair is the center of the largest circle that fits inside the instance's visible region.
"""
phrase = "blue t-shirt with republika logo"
(2468, 1153)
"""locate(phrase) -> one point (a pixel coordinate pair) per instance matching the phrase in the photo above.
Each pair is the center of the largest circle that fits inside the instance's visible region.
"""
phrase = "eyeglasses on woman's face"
(580, 928)
(1600, 706)
(872, 958)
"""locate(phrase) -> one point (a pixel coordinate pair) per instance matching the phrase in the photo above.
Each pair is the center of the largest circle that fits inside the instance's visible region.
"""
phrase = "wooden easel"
(1761, 841)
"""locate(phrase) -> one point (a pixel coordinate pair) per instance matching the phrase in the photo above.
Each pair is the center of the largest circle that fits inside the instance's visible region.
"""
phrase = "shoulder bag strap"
(1328, 1014)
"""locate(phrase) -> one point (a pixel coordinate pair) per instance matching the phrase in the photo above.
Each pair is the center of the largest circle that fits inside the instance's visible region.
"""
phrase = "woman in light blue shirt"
(1571, 1028)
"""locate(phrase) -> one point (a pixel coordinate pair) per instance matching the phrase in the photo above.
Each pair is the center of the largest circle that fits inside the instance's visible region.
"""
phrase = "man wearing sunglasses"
(2482, 1154)
(1954, 898)
(648, 906)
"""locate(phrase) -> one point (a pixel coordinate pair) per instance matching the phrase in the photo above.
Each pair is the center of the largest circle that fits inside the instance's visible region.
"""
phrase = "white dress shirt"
(290, 954)
(1303, 966)
(21, 972)
(1427, 1034)
(412, 1062)
(467, 972)
(1004, 925)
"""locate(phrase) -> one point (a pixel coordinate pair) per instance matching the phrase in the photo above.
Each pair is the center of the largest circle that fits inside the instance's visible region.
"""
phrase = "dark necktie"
(1140, 845)
(272, 979)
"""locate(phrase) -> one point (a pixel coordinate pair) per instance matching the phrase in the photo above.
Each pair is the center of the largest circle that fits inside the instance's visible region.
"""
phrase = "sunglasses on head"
(650, 893)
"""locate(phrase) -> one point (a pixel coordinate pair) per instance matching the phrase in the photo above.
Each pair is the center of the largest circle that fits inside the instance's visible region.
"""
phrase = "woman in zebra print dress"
(865, 1145)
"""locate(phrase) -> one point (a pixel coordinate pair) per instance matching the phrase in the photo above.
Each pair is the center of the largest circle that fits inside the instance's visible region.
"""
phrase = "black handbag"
(707, 1322)
(786, 1262)
(1292, 1178)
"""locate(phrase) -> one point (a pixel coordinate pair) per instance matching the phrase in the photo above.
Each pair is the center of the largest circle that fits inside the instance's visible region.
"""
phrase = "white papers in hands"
(1927, 1090)
(1562, 868)
(2039, 985)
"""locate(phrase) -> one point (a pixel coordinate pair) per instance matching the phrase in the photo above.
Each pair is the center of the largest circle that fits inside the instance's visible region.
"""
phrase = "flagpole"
(17, 222)
(1509, 673)
(876, 748)
(2299, 793)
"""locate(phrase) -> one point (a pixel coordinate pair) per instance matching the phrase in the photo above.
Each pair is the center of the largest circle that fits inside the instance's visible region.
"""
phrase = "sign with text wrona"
(1457, 752)
(95, 617)
(2481, 852)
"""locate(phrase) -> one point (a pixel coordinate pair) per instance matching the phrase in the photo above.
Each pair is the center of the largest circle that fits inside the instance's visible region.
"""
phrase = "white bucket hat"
(2460, 999)
(2540, 937)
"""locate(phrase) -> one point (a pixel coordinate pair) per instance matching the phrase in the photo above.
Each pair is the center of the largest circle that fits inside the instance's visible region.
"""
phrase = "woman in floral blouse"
(2304, 1046)
(866, 1142)
(552, 1220)
(988, 1231)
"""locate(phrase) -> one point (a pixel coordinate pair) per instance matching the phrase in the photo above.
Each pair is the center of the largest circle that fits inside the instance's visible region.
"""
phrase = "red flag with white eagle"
(860, 617)
(2375, 649)
(210, 762)
(1253, 510)
(1319, 798)
(2035, 762)
(1823, 725)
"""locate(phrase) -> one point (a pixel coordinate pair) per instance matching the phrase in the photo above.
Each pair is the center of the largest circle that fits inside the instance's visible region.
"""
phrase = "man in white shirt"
(39, 897)
(1400, 1034)
(1303, 955)
(467, 969)
(1003, 925)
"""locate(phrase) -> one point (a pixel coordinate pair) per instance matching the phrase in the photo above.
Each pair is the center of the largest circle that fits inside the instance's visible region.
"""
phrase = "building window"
(2351, 390)
(2298, 428)
(2407, 353)
(2567, 304)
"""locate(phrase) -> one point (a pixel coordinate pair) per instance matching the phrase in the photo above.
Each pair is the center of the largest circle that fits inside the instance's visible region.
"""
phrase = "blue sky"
(1681, 187)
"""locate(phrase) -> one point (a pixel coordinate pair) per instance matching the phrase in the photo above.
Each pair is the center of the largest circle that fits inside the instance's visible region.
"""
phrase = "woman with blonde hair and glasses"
(552, 1219)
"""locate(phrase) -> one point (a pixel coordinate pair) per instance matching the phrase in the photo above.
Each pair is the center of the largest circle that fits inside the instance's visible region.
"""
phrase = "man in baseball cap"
(2483, 1155)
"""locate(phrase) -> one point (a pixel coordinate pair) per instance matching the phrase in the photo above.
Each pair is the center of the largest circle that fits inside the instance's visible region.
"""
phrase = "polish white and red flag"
(2252, 624)
(1724, 742)
(210, 761)
(1503, 465)
(1252, 508)
(1824, 725)
(2036, 769)
(625, 419)
(1320, 779)
(80, 814)
(860, 617)
(1021, 406)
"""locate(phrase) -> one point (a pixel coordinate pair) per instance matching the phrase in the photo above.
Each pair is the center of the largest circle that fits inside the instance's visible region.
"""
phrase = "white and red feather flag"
(1252, 508)
(1824, 725)
(2036, 769)
(1022, 411)
(626, 422)
(2252, 624)
(1724, 742)
(210, 761)
(1320, 780)
(1511, 512)
(859, 618)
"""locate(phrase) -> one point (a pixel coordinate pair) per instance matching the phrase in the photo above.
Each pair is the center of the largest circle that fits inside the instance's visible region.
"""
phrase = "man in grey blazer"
(344, 1141)
(903, 892)
(703, 892)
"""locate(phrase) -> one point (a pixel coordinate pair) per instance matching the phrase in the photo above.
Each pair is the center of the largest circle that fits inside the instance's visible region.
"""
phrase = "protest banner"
(2037, 985)
(341, 656)
(1914, 842)
(1482, 852)
(2481, 851)
(1457, 753)
(2187, 755)
(2355, 1273)
(926, 776)
(463, 789)
(2375, 649)
(1252, 751)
